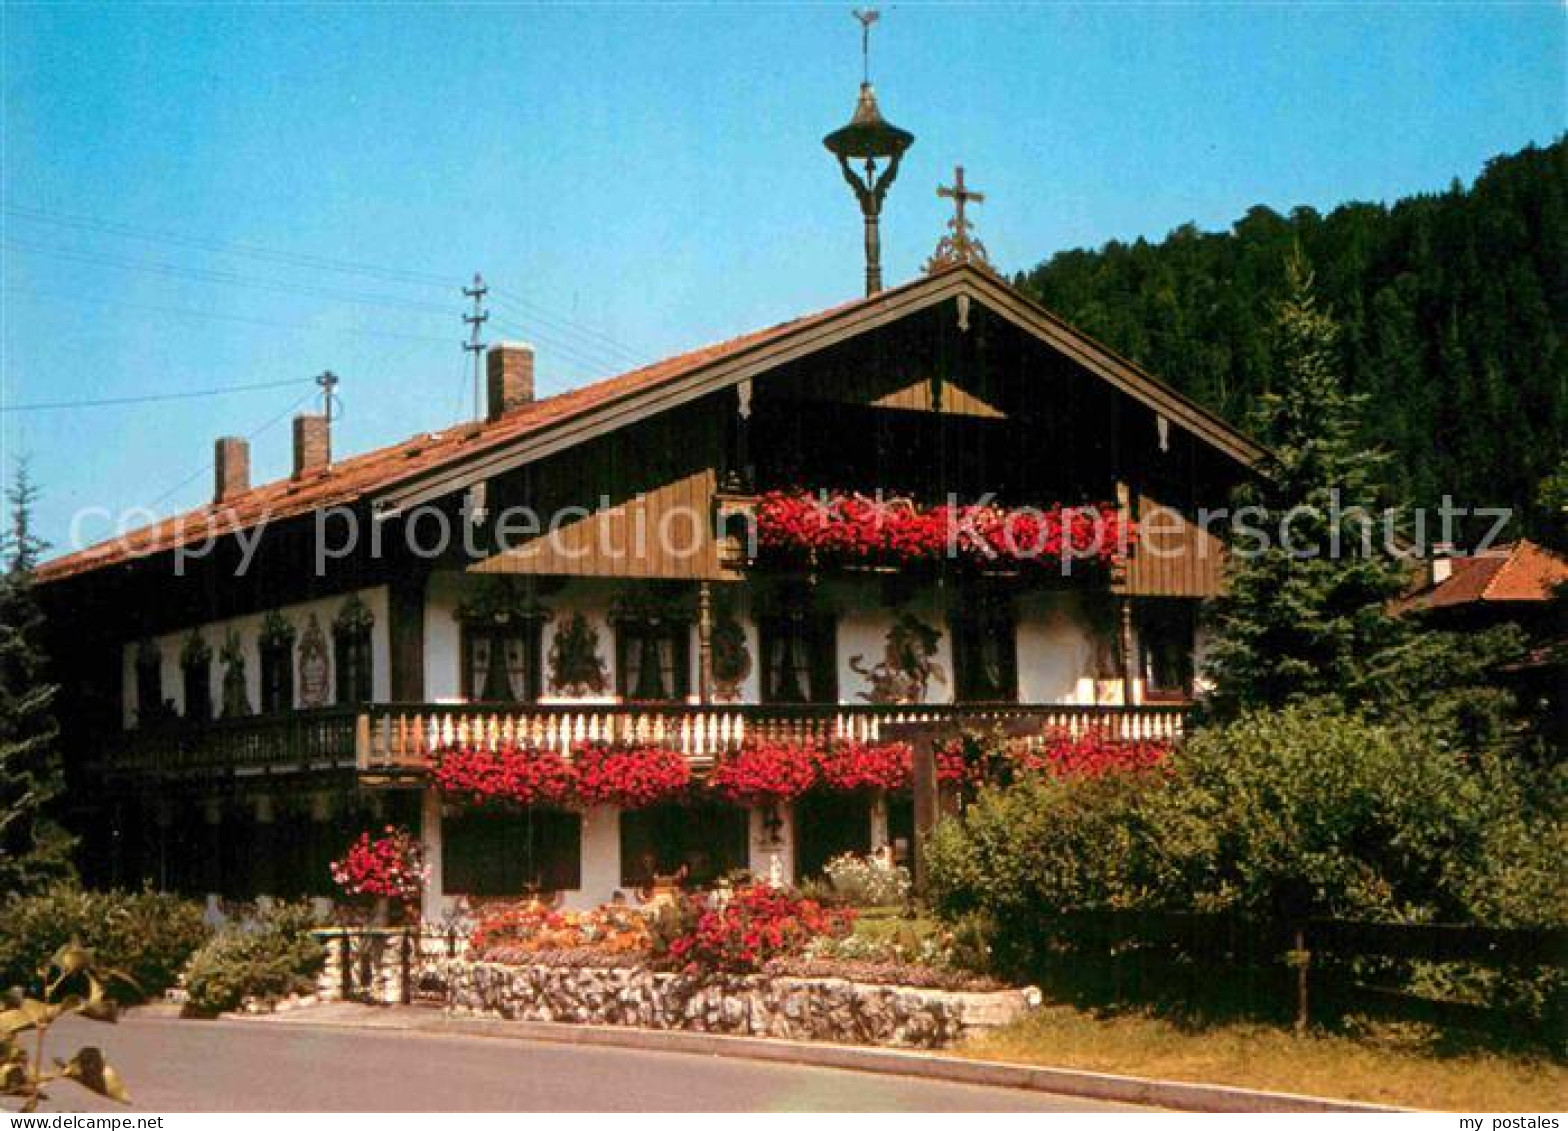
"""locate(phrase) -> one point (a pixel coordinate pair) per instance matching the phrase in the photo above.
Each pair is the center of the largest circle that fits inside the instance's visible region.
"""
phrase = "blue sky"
(633, 180)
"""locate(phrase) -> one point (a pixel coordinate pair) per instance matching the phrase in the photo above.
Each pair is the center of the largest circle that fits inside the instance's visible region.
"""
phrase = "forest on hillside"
(1453, 307)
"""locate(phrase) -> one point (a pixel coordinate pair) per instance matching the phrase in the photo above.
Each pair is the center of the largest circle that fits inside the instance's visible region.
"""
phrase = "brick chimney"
(312, 444)
(230, 468)
(509, 369)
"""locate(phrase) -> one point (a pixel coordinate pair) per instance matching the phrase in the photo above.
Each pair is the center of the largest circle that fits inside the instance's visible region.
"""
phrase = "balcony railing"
(296, 742)
(399, 738)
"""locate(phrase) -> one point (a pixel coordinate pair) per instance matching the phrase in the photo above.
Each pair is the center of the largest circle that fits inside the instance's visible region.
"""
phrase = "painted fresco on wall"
(908, 664)
(315, 669)
(731, 659)
(576, 668)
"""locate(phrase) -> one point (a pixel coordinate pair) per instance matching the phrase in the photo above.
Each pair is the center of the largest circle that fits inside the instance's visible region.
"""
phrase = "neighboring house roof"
(1520, 571)
(435, 464)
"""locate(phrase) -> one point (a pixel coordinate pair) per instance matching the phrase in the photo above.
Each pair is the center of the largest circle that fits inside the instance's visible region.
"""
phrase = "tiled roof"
(349, 480)
(1521, 571)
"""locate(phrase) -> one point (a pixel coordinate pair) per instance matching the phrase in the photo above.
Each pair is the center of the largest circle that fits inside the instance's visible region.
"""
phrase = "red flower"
(754, 925)
(629, 776)
(521, 775)
(764, 773)
(855, 528)
(391, 865)
(1092, 753)
(850, 765)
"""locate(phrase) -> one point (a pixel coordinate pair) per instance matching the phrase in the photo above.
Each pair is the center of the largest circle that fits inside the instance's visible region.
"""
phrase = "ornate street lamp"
(871, 139)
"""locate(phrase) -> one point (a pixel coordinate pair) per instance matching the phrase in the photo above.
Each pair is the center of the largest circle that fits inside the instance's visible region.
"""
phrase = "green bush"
(265, 958)
(146, 935)
(1305, 811)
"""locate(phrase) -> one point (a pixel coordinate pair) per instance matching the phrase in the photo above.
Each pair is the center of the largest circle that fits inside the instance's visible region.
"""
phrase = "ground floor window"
(508, 854)
(828, 825)
(707, 840)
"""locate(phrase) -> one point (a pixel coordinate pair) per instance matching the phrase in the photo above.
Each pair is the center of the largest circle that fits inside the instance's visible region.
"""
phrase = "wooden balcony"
(299, 742)
(392, 743)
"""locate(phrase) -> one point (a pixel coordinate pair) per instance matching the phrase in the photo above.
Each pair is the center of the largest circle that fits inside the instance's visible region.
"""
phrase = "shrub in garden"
(146, 935)
(1307, 811)
(867, 881)
(265, 958)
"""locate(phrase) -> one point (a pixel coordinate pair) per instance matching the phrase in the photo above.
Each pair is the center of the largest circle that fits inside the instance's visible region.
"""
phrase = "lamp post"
(877, 145)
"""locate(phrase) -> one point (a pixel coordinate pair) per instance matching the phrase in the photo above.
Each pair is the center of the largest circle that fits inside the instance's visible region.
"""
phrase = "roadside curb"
(1172, 1094)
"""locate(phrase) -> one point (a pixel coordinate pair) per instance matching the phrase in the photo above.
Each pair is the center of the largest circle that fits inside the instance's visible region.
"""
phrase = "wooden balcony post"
(705, 642)
(1129, 661)
(923, 743)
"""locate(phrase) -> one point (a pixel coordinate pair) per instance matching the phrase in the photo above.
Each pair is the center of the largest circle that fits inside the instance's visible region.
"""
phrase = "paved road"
(173, 1065)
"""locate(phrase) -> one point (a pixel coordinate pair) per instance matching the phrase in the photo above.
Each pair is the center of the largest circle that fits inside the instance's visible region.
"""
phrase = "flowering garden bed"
(754, 959)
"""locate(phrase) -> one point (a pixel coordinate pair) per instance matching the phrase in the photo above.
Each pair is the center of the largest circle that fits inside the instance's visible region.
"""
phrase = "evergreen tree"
(1452, 305)
(34, 850)
(1304, 615)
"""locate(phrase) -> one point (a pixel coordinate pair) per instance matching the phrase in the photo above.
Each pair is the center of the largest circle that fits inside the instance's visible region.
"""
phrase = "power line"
(190, 312)
(98, 259)
(269, 423)
(316, 262)
(590, 366)
(527, 308)
(297, 259)
(145, 398)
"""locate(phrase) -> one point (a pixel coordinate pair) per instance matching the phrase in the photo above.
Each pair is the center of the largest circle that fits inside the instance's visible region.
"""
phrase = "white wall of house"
(1056, 642)
(248, 628)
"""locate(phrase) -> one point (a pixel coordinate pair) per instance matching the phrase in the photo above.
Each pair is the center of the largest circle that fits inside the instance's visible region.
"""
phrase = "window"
(149, 682)
(799, 660)
(985, 655)
(509, 854)
(196, 678)
(652, 659)
(501, 664)
(277, 676)
(276, 646)
(706, 840)
(1165, 637)
(351, 652)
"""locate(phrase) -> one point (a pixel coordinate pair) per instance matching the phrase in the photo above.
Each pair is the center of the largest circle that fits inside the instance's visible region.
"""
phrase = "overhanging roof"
(794, 340)
(434, 465)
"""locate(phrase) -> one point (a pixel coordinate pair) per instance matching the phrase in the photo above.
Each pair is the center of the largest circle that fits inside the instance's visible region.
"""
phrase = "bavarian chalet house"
(231, 732)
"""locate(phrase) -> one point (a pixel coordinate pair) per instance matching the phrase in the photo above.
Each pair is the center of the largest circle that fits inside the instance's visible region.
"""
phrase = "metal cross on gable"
(960, 196)
(959, 245)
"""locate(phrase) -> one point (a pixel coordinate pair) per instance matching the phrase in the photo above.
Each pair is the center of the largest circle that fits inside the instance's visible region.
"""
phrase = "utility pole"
(474, 346)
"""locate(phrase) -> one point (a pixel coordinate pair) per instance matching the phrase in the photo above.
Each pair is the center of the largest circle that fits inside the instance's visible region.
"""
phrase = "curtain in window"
(985, 657)
(652, 659)
(502, 665)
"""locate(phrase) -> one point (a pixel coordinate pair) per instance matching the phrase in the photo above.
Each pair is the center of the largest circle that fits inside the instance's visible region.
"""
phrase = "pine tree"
(1308, 619)
(34, 849)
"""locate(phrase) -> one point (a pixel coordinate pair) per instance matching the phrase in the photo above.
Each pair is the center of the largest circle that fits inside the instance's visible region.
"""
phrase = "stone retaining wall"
(391, 967)
(819, 1009)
